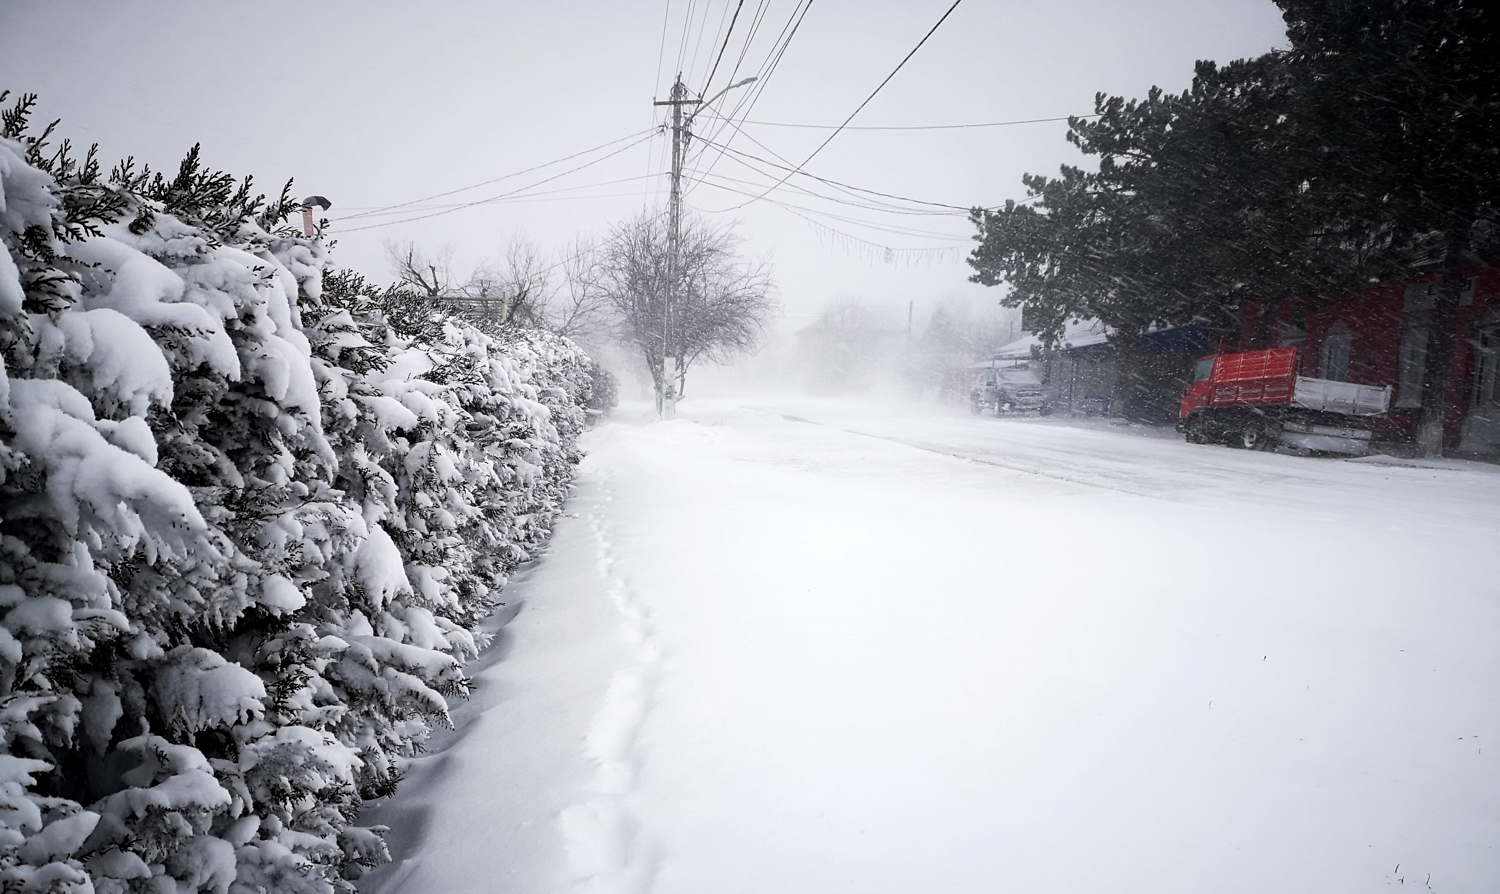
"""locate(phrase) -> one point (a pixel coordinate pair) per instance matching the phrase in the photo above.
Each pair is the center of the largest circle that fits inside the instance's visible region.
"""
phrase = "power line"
(527, 196)
(768, 67)
(661, 50)
(755, 22)
(910, 126)
(886, 253)
(857, 202)
(884, 228)
(872, 95)
(723, 46)
(873, 192)
(850, 189)
(703, 30)
(687, 28)
(846, 189)
(773, 58)
(661, 53)
(450, 192)
(503, 195)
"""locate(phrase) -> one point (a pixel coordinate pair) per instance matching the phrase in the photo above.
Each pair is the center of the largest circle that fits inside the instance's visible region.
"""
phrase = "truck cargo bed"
(1269, 379)
(1345, 398)
(1254, 378)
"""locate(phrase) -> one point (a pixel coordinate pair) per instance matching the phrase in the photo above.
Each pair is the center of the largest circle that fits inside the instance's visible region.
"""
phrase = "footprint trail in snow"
(608, 851)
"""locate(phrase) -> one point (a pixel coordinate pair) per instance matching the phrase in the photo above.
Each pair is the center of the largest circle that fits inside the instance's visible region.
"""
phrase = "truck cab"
(1196, 395)
(1007, 390)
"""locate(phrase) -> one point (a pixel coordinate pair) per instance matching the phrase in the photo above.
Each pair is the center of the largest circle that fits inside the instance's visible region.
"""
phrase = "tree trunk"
(1441, 338)
(1265, 324)
(1125, 375)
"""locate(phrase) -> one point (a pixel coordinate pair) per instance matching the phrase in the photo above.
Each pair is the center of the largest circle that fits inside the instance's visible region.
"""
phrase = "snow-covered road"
(789, 647)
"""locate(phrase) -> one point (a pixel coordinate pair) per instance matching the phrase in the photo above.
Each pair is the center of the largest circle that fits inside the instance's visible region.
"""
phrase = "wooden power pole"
(681, 134)
(665, 391)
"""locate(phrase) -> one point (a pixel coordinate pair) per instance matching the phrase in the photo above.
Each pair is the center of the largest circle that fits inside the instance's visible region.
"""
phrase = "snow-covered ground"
(787, 647)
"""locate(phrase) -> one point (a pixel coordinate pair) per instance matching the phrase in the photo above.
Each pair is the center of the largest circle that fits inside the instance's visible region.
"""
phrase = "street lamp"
(706, 103)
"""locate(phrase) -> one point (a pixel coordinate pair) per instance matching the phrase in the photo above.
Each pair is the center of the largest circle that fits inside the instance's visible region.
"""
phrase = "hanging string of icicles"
(875, 253)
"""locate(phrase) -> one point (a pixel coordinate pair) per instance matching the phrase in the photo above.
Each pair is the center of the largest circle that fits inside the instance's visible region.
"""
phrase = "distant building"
(847, 348)
(1081, 373)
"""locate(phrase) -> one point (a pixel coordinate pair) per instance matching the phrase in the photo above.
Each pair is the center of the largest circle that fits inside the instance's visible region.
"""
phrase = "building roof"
(848, 318)
(1076, 334)
(1089, 336)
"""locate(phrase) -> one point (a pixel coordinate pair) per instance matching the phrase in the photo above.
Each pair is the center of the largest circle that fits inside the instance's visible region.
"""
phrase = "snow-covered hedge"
(251, 513)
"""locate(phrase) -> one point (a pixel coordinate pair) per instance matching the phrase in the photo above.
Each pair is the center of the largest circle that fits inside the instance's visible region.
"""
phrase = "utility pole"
(666, 392)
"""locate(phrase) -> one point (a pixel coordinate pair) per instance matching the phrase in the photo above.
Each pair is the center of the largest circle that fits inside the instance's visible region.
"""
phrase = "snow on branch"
(252, 512)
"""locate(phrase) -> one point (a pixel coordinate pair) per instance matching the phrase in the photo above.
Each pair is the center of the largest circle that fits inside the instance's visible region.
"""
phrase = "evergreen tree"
(251, 515)
(1366, 153)
(1403, 102)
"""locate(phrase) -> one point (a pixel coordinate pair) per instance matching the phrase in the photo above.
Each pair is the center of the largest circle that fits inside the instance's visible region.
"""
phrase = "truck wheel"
(1255, 436)
(1193, 430)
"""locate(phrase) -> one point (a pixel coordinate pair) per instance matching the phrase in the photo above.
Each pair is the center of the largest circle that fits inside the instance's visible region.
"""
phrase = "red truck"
(1256, 400)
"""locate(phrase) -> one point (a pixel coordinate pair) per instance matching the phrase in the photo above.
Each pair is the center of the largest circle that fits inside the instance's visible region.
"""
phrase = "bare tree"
(429, 275)
(580, 309)
(525, 283)
(510, 295)
(706, 303)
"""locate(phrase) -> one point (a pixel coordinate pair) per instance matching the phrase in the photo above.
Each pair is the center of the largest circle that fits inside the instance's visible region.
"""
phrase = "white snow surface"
(802, 647)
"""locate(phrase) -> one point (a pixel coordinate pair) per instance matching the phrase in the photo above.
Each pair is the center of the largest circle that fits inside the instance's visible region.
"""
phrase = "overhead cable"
(872, 250)
(857, 110)
(910, 126)
(739, 131)
(661, 50)
(768, 67)
(522, 189)
(856, 202)
(528, 195)
(722, 47)
(529, 170)
(874, 192)
(884, 228)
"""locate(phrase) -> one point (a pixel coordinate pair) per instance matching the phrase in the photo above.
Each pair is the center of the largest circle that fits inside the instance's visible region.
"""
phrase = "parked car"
(1008, 390)
(1256, 400)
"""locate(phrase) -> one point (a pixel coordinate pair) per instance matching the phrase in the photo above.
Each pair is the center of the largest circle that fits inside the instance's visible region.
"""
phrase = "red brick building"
(1379, 337)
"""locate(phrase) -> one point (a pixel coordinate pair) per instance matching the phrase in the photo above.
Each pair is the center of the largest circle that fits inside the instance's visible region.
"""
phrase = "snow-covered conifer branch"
(252, 511)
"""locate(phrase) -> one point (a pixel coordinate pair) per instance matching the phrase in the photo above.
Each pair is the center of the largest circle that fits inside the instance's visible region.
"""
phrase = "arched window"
(1333, 356)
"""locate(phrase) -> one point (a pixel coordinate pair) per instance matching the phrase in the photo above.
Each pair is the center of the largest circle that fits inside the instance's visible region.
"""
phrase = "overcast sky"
(377, 103)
